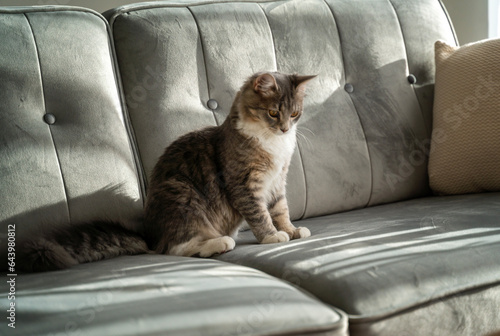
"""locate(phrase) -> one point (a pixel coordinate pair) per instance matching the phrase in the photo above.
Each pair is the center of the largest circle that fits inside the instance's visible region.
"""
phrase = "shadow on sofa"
(104, 204)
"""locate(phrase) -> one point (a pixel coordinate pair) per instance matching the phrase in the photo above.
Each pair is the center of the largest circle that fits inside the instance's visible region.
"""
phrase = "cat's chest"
(280, 150)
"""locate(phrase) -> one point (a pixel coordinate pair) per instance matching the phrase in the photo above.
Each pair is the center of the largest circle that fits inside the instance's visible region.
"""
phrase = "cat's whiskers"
(307, 129)
(307, 141)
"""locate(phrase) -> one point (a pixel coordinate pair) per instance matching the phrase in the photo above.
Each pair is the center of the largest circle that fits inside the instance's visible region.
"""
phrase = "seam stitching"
(115, 12)
(45, 110)
(133, 145)
(427, 131)
(354, 105)
(272, 36)
(204, 59)
(450, 23)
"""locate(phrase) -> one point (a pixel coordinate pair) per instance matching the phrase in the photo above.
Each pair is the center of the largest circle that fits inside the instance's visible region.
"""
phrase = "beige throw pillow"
(465, 147)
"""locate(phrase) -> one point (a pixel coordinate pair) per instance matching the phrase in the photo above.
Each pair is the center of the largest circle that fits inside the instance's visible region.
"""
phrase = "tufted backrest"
(65, 155)
(367, 123)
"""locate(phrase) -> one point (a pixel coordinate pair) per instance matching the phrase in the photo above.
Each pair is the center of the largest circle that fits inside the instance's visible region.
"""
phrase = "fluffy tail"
(79, 244)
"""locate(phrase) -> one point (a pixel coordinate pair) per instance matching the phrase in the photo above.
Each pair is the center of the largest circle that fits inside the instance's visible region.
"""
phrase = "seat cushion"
(165, 295)
(382, 261)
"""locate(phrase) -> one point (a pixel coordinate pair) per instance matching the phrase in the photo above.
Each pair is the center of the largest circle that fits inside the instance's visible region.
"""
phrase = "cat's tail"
(77, 244)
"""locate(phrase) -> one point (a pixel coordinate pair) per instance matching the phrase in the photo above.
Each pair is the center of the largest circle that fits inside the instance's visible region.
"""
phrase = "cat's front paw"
(301, 232)
(278, 237)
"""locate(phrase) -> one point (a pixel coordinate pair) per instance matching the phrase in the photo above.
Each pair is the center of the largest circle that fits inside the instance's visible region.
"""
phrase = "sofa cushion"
(357, 147)
(155, 294)
(64, 148)
(465, 155)
(385, 261)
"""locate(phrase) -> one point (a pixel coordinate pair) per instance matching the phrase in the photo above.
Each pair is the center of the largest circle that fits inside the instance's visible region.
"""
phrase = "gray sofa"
(87, 105)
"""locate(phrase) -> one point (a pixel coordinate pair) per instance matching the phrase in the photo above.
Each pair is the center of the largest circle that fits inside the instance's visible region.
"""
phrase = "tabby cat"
(205, 185)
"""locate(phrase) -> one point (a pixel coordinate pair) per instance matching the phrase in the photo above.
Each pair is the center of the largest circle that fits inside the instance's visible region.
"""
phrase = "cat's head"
(272, 103)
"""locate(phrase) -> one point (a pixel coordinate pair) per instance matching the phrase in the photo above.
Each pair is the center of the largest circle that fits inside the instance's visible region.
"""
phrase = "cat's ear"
(301, 81)
(265, 84)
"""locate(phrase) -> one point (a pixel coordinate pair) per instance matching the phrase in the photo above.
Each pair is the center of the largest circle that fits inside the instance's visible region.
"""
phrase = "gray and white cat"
(204, 185)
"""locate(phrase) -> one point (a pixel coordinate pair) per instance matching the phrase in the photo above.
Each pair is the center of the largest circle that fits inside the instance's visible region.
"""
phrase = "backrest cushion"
(366, 128)
(65, 155)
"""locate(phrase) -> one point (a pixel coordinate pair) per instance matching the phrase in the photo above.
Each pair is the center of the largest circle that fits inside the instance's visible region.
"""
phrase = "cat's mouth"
(279, 132)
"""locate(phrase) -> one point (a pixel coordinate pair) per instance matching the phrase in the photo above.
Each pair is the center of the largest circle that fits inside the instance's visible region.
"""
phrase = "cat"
(204, 186)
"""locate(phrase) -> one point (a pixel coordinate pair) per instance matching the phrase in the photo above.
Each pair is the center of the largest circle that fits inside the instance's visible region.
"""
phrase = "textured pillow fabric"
(465, 147)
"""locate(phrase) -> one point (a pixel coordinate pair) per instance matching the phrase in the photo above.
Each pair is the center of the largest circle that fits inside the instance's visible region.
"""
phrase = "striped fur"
(208, 181)
(203, 186)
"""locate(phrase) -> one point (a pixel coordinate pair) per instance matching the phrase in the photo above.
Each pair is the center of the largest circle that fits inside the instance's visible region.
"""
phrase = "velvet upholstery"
(357, 148)
(86, 108)
(58, 61)
(66, 158)
(364, 141)
(386, 260)
(165, 295)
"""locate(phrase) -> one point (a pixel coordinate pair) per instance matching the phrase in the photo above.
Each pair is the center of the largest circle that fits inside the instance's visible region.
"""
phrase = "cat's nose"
(284, 130)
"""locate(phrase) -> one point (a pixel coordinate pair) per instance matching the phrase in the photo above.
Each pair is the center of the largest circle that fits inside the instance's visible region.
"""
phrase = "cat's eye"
(295, 114)
(273, 113)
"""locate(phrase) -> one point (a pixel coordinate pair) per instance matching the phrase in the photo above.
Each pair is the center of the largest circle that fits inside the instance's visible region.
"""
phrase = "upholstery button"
(412, 79)
(212, 104)
(49, 118)
(349, 88)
